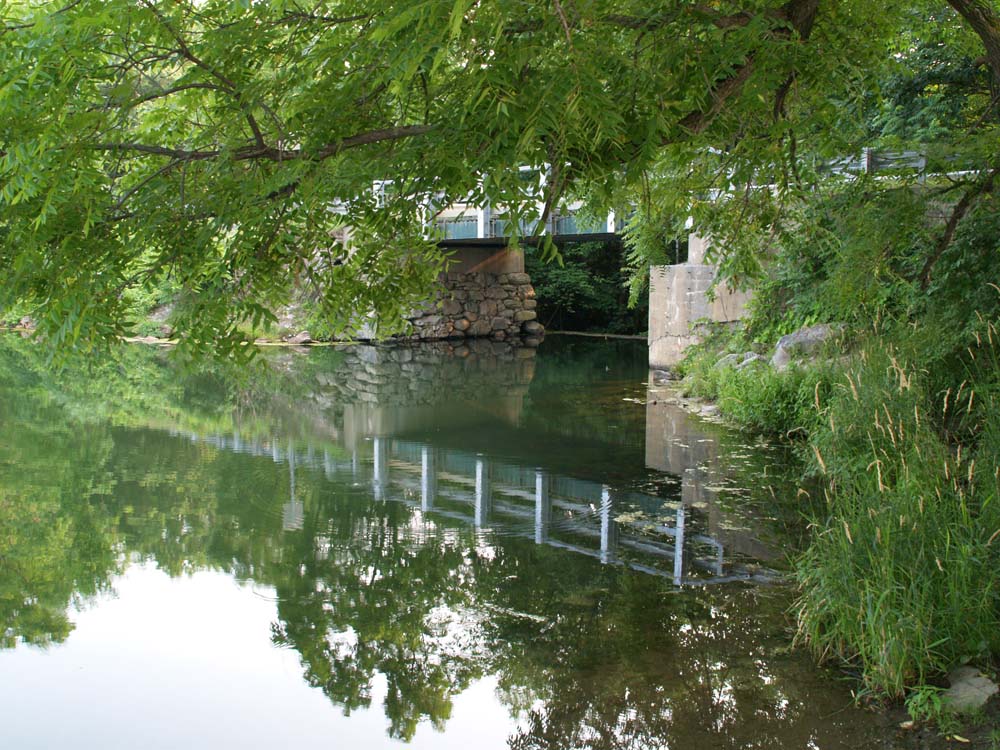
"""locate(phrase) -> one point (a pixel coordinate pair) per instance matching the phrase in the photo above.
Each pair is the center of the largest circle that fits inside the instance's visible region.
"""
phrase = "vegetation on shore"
(899, 423)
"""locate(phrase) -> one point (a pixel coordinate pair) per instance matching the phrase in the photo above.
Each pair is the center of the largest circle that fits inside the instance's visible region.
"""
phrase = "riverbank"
(897, 584)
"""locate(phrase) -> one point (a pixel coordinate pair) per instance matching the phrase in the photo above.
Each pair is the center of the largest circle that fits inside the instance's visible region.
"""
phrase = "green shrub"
(765, 401)
(756, 397)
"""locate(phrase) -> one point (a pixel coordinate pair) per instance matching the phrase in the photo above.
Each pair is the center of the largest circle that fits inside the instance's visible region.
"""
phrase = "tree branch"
(173, 90)
(267, 153)
(985, 22)
(958, 213)
(227, 83)
(800, 16)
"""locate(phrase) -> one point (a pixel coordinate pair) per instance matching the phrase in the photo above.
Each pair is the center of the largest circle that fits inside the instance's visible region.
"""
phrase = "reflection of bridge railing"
(581, 516)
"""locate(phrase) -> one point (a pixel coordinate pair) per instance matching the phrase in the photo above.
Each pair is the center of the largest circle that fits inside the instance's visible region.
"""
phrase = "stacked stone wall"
(427, 374)
(480, 304)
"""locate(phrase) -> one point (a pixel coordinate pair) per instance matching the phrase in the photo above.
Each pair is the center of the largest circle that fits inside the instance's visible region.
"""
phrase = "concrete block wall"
(679, 302)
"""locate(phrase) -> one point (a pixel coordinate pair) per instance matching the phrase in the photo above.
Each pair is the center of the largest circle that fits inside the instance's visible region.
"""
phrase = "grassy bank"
(902, 439)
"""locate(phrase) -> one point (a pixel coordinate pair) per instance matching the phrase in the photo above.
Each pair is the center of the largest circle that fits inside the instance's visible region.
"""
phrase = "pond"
(427, 546)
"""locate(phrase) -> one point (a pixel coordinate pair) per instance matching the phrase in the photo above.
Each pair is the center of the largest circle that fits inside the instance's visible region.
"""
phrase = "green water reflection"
(426, 520)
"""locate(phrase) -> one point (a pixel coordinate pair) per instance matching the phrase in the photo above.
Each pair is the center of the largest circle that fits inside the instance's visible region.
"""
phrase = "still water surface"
(394, 547)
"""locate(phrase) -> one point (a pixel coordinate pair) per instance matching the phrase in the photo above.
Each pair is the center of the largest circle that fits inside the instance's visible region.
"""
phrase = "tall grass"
(901, 576)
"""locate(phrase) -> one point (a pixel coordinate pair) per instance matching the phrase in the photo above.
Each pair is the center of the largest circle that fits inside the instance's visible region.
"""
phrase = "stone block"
(452, 307)
(480, 328)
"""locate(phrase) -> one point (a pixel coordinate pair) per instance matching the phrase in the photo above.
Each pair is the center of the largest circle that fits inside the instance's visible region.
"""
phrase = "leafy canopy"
(221, 146)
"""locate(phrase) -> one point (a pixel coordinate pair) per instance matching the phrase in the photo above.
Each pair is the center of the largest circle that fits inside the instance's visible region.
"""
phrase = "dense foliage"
(587, 290)
(223, 146)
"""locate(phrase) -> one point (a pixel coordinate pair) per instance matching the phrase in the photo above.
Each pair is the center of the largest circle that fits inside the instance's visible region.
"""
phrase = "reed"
(900, 577)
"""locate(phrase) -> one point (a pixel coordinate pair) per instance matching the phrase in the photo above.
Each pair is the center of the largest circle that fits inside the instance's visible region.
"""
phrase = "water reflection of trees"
(586, 655)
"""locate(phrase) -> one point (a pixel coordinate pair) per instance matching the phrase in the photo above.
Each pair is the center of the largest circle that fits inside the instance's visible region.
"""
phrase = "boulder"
(302, 337)
(525, 315)
(969, 691)
(803, 342)
(462, 324)
(533, 328)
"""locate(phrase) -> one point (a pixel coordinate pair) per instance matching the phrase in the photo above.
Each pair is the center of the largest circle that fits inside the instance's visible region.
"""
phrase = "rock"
(532, 341)
(480, 328)
(462, 324)
(969, 691)
(472, 317)
(302, 337)
(737, 361)
(730, 360)
(533, 328)
(664, 376)
(429, 320)
(27, 323)
(803, 342)
(452, 307)
(530, 304)
(519, 278)
(499, 324)
(495, 293)
(749, 358)
(525, 315)
(709, 410)
(166, 331)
